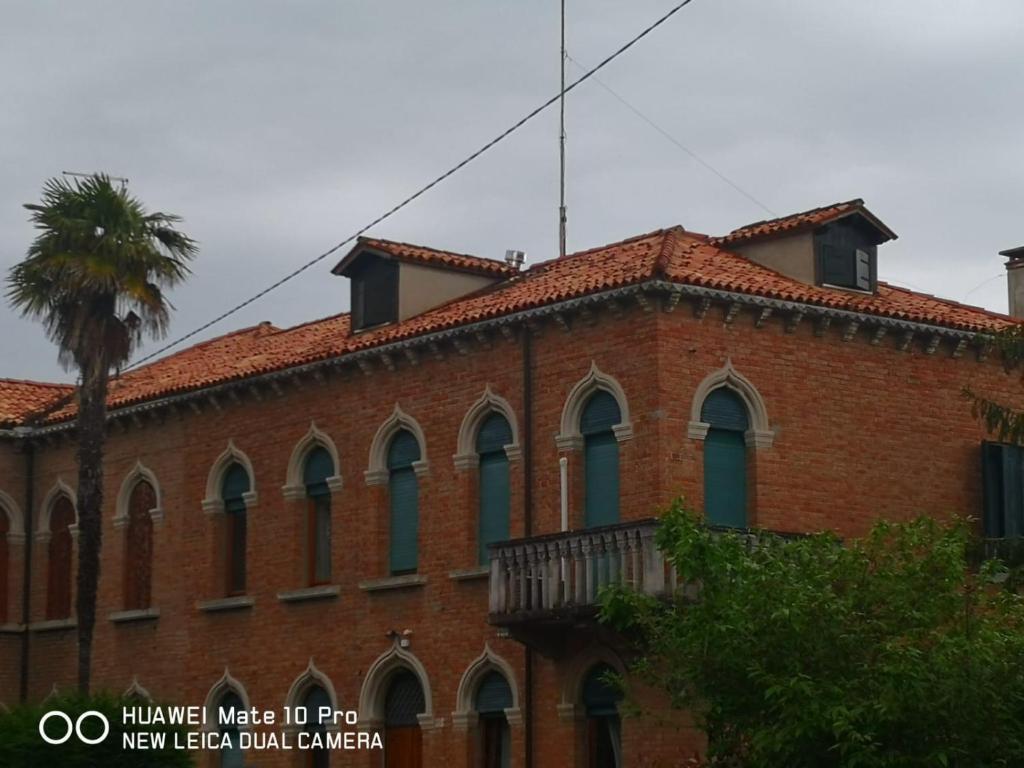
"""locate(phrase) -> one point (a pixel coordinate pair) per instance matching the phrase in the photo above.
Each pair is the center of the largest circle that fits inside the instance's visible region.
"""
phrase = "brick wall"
(862, 431)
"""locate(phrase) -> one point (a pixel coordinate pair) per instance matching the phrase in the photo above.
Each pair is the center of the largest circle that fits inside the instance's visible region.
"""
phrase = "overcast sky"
(276, 129)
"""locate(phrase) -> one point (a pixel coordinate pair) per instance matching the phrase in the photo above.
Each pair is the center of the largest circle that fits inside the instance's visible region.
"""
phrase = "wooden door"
(403, 746)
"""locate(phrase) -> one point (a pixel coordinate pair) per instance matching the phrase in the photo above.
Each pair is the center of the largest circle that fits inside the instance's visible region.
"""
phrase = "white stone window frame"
(570, 438)
(214, 503)
(294, 488)
(312, 676)
(58, 489)
(377, 472)
(224, 685)
(139, 473)
(466, 456)
(760, 433)
(465, 716)
(374, 690)
(15, 524)
(571, 705)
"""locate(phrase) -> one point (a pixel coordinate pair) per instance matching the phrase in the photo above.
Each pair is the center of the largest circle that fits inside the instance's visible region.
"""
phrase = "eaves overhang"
(673, 291)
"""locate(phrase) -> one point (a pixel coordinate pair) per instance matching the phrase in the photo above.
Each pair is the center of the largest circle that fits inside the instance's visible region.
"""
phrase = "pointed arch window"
(600, 459)
(234, 486)
(403, 493)
(58, 582)
(317, 705)
(231, 755)
(725, 458)
(604, 728)
(493, 697)
(138, 547)
(4, 564)
(403, 740)
(319, 466)
(495, 433)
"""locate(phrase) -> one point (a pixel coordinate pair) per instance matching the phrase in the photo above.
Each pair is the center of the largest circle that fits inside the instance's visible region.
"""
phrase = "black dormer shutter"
(375, 293)
(863, 268)
(836, 266)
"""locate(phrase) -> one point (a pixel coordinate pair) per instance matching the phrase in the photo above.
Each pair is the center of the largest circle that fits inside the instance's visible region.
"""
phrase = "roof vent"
(514, 258)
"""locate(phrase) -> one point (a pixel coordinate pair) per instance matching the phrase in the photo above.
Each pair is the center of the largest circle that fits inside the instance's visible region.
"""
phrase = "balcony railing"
(559, 575)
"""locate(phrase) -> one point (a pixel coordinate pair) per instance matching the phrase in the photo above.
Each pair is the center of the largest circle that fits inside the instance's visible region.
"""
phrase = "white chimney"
(1015, 280)
(514, 258)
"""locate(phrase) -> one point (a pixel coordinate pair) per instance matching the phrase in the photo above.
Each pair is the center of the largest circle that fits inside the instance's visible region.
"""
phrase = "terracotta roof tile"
(21, 399)
(668, 254)
(429, 256)
(796, 222)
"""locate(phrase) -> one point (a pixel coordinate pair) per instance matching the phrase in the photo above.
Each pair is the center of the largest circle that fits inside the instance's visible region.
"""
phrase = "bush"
(894, 650)
(21, 746)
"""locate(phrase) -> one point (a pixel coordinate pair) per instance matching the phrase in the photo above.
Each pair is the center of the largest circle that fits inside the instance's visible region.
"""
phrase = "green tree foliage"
(887, 651)
(95, 276)
(1000, 419)
(22, 747)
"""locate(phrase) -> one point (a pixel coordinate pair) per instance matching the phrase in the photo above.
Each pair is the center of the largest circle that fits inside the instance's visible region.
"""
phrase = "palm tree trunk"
(92, 416)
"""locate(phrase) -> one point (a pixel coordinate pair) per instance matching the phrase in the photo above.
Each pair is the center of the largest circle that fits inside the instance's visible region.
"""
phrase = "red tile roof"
(673, 255)
(20, 399)
(795, 222)
(428, 256)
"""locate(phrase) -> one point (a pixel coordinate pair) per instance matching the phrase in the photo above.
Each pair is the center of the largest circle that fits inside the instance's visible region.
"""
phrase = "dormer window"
(392, 282)
(374, 292)
(846, 254)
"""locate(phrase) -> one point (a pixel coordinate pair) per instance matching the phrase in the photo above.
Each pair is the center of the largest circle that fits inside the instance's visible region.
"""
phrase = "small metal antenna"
(122, 179)
(561, 149)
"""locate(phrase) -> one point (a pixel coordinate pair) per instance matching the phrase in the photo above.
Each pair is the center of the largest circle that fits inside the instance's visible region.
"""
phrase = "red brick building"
(302, 515)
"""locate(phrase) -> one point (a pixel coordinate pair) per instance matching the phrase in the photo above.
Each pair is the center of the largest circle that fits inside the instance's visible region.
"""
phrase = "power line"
(636, 111)
(422, 190)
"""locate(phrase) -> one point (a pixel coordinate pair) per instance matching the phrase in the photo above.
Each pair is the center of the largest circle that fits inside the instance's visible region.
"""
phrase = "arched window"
(4, 564)
(725, 458)
(495, 433)
(493, 697)
(318, 467)
(403, 492)
(138, 547)
(317, 704)
(58, 584)
(600, 459)
(233, 487)
(231, 755)
(604, 729)
(403, 743)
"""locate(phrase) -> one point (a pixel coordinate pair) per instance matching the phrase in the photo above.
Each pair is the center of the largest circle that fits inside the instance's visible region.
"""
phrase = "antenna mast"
(561, 149)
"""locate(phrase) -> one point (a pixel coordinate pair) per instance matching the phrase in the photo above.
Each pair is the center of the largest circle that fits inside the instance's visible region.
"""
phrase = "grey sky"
(276, 129)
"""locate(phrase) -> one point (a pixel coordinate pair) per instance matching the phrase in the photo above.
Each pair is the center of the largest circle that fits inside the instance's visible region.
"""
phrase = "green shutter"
(725, 478)
(494, 694)
(601, 479)
(404, 493)
(494, 501)
(724, 409)
(235, 482)
(600, 697)
(600, 414)
(318, 467)
(1003, 485)
(494, 434)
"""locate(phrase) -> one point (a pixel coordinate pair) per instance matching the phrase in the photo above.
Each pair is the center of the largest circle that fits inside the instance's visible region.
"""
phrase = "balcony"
(544, 589)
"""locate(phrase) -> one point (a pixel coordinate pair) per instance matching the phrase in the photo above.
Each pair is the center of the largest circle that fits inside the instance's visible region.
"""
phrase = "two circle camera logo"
(74, 727)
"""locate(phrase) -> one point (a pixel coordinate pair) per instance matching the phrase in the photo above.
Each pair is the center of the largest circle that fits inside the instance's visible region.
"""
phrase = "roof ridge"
(315, 321)
(950, 302)
(366, 240)
(35, 383)
(857, 201)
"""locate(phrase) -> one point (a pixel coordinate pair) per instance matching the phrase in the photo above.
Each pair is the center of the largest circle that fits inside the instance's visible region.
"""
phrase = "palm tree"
(95, 276)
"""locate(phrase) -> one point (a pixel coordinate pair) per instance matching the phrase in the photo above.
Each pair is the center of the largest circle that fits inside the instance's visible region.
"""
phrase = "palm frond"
(96, 272)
